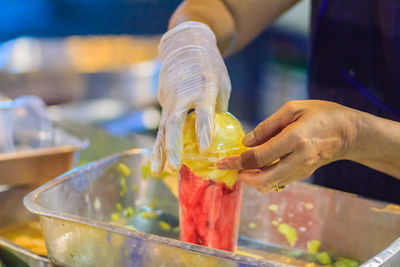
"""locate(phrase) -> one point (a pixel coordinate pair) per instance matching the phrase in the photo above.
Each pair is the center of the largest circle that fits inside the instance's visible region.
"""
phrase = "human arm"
(234, 22)
(305, 135)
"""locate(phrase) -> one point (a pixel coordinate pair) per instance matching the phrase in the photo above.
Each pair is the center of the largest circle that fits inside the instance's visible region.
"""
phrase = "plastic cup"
(209, 211)
(210, 199)
(24, 125)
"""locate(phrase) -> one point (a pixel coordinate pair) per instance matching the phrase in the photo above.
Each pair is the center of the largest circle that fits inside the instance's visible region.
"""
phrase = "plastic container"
(210, 199)
(24, 125)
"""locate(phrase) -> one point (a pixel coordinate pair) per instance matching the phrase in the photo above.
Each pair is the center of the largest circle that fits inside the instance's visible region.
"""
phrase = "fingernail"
(204, 143)
(248, 139)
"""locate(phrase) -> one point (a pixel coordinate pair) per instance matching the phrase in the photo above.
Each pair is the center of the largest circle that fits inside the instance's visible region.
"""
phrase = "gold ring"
(279, 187)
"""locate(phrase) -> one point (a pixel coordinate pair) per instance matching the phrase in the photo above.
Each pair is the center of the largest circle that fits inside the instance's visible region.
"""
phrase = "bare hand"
(295, 141)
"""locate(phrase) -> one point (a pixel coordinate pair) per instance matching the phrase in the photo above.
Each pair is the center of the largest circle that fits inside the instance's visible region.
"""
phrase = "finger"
(281, 173)
(263, 155)
(158, 155)
(205, 117)
(174, 137)
(224, 92)
(272, 125)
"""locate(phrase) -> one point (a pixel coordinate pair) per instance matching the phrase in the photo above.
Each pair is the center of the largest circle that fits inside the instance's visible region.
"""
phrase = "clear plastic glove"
(193, 75)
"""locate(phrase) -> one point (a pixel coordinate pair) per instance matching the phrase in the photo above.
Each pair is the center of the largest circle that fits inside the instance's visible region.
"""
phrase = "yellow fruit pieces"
(323, 258)
(165, 226)
(313, 246)
(227, 141)
(124, 169)
(273, 207)
(289, 232)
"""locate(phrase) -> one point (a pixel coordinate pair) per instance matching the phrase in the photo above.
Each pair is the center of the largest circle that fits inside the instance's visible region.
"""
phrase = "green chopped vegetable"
(129, 212)
(118, 206)
(176, 229)
(124, 189)
(124, 169)
(148, 215)
(313, 246)
(289, 232)
(340, 264)
(345, 262)
(130, 227)
(252, 225)
(323, 258)
(273, 207)
(115, 216)
(165, 226)
(146, 170)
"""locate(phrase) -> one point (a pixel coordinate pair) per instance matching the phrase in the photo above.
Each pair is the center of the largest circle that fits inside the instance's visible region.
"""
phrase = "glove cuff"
(187, 33)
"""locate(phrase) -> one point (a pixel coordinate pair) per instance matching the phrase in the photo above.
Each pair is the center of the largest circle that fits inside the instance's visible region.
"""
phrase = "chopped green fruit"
(135, 188)
(130, 227)
(130, 212)
(309, 205)
(313, 246)
(124, 169)
(323, 258)
(115, 216)
(176, 229)
(347, 262)
(340, 264)
(146, 170)
(252, 225)
(118, 206)
(124, 189)
(273, 207)
(148, 215)
(289, 232)
(165, 174)
(165, 226)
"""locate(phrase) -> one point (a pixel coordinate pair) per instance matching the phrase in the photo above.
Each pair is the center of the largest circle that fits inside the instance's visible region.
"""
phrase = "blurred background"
(95, 61)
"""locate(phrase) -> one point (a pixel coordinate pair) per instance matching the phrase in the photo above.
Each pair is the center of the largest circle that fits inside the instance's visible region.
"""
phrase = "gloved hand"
(193, 75)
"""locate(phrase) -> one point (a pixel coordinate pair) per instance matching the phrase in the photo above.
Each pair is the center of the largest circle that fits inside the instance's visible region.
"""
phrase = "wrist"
(353, 134)
(360, 144)
(220, 20)
(188, 35)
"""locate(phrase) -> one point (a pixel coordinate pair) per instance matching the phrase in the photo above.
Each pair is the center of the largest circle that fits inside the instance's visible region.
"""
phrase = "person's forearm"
(378, 144)
(234, 22)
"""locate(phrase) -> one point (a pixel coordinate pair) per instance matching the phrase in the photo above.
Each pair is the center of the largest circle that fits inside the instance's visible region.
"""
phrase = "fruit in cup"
(227, 141)
(209, 198)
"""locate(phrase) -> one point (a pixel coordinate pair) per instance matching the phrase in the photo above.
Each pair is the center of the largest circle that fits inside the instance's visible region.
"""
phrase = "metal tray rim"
(4, 243)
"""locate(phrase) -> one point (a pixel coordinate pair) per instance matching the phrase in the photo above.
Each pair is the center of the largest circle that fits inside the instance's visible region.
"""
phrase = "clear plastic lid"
(227, 141)
(24, 125)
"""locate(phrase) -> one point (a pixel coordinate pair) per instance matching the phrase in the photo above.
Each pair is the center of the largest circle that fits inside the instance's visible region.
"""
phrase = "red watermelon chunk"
(209, 211)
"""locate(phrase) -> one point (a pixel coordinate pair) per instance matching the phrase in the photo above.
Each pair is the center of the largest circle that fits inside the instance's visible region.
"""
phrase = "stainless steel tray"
(77, 209)
(20, 173)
